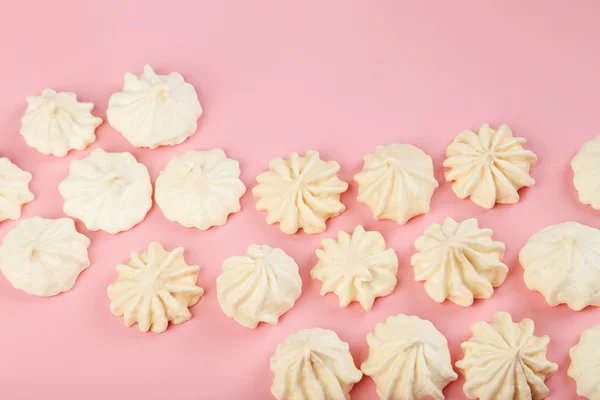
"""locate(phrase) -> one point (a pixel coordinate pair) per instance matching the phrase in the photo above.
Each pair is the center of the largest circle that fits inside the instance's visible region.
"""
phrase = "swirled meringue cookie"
(459, 262)
(44, 257)
(356, 267)
(585, 364)
(503, 360)
(562, 262)
(14, 190)
(56, 123)
(313, 364)
(200, 189)
(408, 359)
(111, 192)
(396, 182)
(300, 192)
(155, 287)
(586, 173)
(154, 110)
(259, 286)
(489, 166)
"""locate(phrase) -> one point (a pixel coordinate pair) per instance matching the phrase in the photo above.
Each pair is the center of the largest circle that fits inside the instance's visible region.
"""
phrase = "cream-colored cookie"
(259, 286)
(44, 257)
(14, 189)
(408, 359)
(459, 262)
(300, 192)
(200, 189)
(56, 123)
(585, 364)
(562, 262)
(154, 110)
(154, 288)
(313, 364)
(503, 360)
(396, 182)
(489, 166)
(111, 192)
(586, 173)
(356, 267)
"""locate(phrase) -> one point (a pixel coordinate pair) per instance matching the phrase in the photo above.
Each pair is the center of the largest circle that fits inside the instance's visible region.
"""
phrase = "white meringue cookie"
(459, 262)
(259, 286)
(356, 267)
(313, 364)
(111, 192)
(586, 173)
(200, 189)
(44, 257)
(154, 110)
(155, 287)
(300, 192)
(396, 182)
(14, 189)
(562, 262)
(56, 123)
(408, 359)
(489, 166)
(585, 364)
(503, 360)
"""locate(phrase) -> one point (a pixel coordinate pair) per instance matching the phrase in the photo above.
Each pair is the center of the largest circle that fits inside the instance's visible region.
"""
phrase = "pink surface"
(340, 77)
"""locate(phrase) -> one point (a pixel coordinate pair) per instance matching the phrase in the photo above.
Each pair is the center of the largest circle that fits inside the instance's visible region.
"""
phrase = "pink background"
(340, 77)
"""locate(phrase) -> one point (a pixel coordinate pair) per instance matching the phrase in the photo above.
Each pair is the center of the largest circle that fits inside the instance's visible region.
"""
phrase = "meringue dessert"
(503, 360)
(200, 189)
(259, 286)
(155, 287)
(562, 262)
(44, 257)
(459, 262)
(396, 182)
(56, 123)
(313, 364)
(585, 364)
(586, 173)
(154, 110)
(111, 192)
(14, 190)
(300, 192)
(408, 359)
(489, 166)
(356, 267)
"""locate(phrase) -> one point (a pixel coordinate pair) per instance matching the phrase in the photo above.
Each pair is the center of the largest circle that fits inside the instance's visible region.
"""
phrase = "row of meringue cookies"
(409, 359)
(458, 261)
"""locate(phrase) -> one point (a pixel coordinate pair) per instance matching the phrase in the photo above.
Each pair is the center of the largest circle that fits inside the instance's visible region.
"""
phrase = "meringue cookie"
(313, 364)
(14, 189)
(200, 189)
(505, 361)
(459, 262)
(586, 173)
(396, 182)
(258, 287)
(356, 267)
(562, 262)
(489, 166)
(44, 257)
(300, 192)
(408, 359)
(154, 110)
(585, 364)
(56, 123)
(111, 192)
(155, 287)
